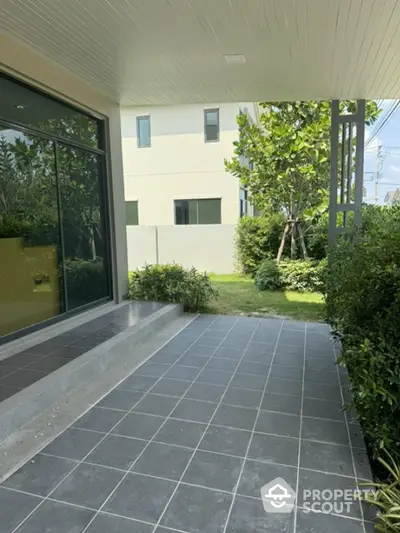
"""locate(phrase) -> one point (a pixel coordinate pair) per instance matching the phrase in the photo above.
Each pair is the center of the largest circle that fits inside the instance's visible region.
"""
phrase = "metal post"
(359, 170)
(340, 200)
(333, 189)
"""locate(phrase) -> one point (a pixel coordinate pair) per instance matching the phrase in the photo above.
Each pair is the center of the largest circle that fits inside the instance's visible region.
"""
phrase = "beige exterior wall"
(37, 70)
(206, 247)
(179, 164)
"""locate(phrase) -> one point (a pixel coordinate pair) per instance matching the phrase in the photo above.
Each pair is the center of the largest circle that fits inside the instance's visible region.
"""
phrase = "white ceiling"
(172, 51)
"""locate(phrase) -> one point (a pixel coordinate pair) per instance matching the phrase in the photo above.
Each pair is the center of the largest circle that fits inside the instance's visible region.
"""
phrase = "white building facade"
(181, 204)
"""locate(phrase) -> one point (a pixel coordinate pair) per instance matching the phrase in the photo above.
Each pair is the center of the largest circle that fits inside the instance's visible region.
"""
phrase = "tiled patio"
(187, 441)
(34, 363)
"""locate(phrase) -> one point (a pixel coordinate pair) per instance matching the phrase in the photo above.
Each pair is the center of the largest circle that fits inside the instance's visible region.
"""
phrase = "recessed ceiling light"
(20, 106)
(234, 59)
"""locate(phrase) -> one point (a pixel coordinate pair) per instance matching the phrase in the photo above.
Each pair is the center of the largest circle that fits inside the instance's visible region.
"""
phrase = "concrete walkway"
(187, 441)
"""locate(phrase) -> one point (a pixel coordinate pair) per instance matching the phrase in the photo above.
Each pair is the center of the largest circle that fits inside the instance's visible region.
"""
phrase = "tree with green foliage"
(284, 161)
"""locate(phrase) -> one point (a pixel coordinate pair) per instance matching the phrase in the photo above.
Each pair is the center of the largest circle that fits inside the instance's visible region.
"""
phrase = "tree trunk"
(92, 243)
(302, 241)
(282, 245)
(293, 241)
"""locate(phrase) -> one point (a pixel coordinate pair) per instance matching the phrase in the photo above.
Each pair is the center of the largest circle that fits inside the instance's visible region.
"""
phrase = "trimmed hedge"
(257, 238)
(172, 283)
(363, 303)
(268, 276)
(301, 276)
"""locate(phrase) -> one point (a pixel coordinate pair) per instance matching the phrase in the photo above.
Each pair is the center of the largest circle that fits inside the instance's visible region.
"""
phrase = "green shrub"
(268, 277)
(316, 236)
(386, 497)
(172, 283)
(363, 303)
(303, 276)
(257, 238)
(298, 276)
(374, 369)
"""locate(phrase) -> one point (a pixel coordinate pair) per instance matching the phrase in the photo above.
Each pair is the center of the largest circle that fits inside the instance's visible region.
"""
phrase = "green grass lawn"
(239, 296)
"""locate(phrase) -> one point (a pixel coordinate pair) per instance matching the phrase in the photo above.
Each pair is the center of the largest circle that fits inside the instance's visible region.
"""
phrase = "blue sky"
(389, 139)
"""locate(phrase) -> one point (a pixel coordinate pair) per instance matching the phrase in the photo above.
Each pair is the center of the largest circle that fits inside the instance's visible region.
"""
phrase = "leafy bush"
(363, 302)
(303, 276)
(316, 235)
(386, 497)
(268, 277)
(257, 238)
(172, 283)
(298, 276)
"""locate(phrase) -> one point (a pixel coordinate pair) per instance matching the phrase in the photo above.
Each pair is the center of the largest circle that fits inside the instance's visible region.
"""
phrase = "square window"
(209, 211)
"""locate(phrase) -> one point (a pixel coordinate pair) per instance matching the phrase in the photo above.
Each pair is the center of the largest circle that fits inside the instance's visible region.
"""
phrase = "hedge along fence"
(258, 238)
(174, 284)
(363, 303)
(301, 276)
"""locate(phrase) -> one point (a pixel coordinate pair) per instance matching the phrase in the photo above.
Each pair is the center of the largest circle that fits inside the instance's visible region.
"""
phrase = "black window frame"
(244, 202)
(186, 217)
(101, 120)
(206, 112)
(104, 168)
(138, 119)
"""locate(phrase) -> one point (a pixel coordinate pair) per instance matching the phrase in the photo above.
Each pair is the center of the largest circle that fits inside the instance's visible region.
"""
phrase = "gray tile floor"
(32, 364)
(187, 441)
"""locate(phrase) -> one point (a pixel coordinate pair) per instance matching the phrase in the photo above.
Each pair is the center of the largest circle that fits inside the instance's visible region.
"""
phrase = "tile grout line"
(242, 388)
(70, 504)
(115, 425)
(231, 405)
(206, 429)
(252, 433)
(153, 437)
(349, 438)
(301, 431)
(188, 449)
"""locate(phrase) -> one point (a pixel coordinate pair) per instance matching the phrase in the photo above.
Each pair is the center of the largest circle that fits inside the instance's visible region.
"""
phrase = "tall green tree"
(284, 161)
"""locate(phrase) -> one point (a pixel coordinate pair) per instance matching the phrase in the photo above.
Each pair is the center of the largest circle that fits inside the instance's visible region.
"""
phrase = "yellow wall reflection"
(29, 284)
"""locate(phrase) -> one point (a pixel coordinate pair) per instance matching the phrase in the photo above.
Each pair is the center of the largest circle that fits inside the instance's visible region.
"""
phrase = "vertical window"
(211, 125)
(244, 205)
(181, 212)
(131, 213)
(204, 211)
(143, 132)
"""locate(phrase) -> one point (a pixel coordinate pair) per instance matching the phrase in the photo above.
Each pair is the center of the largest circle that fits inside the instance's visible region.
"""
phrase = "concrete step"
(30, 419)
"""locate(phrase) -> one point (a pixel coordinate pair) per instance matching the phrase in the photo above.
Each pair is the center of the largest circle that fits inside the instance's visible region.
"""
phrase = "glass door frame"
(104, 193)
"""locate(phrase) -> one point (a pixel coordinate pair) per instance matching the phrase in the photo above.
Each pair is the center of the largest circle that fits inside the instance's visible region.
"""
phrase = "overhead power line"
(378, 124)
(392, 110)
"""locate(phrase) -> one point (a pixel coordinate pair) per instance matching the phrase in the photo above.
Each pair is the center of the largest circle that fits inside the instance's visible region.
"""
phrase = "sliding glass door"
(54, 254)
(83, 220)
(31, 287)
